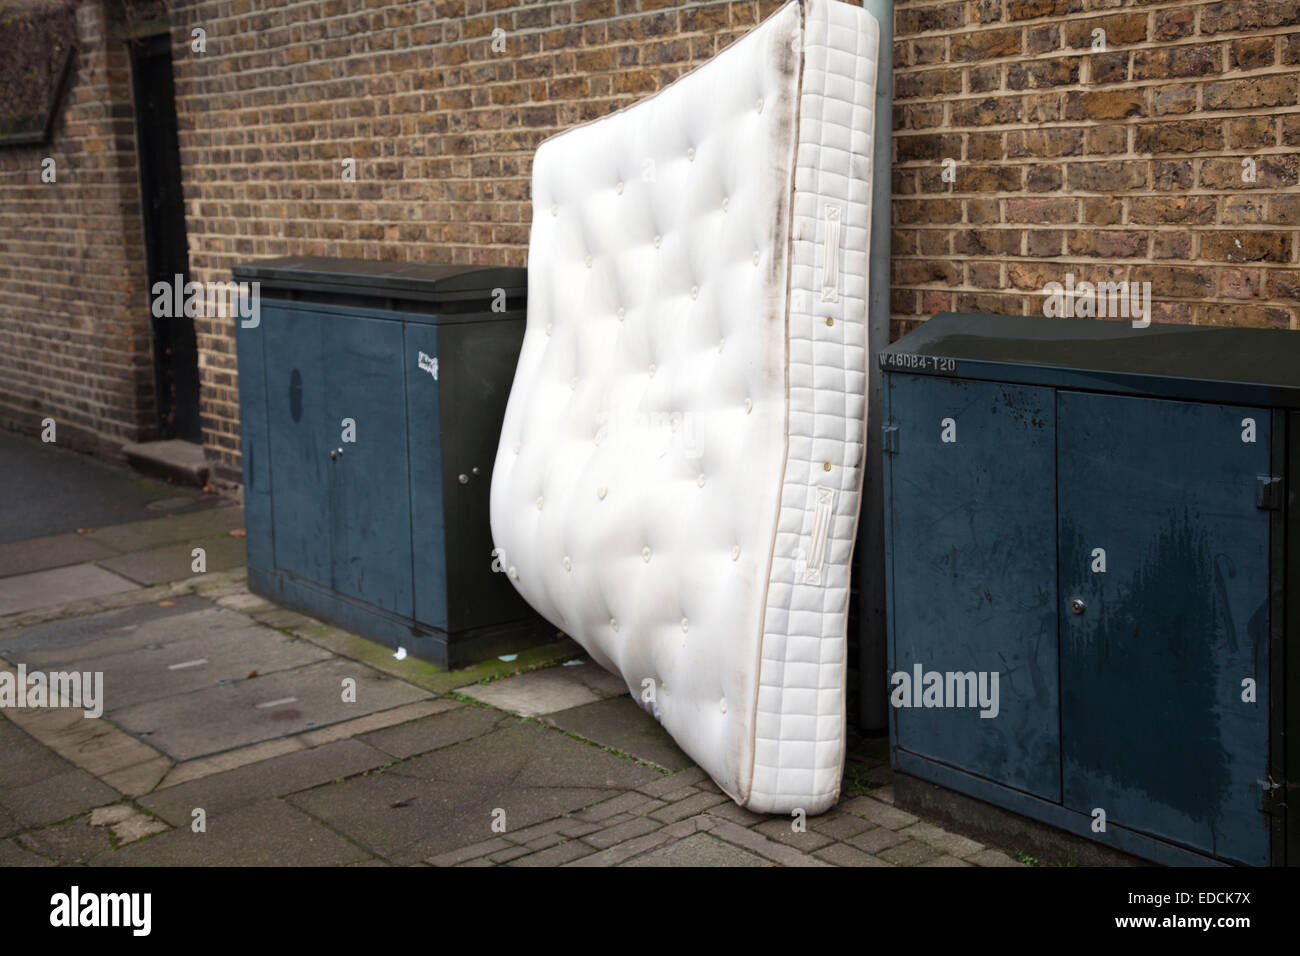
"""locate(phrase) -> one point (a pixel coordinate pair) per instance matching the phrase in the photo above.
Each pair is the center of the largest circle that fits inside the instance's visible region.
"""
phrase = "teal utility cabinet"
(371, 401)
(1100, 521)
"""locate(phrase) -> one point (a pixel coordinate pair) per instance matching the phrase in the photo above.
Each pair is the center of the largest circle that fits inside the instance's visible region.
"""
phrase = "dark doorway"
(175, 349)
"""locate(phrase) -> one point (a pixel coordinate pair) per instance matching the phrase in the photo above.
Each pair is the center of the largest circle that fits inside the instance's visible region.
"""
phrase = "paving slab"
(231, 759)
(946, 861)
(52, 551)
(556, 855)
(757, 843)
(444, 801)
(459, 722)
(628, 830)
(594, 677)
(121, 629)
(266, 833)
(840, 826)
(156, 671)
(75, 841)
(56, 798)
(620, 723)
(405, 820)
(841, 854)
(175, 562)
(910, 853)
(278, 777)
(532, 694)
(992, 858)
(262, 708)
(952, 844)
(41, 589)
(95, 745)
(699, 849)
(25, 760)
(877, 840)
(379, 720)
(548, 690)
(524, 752)
(781, 831)
(9, 824)
(12, 853)
(172, 529)
(881, 814)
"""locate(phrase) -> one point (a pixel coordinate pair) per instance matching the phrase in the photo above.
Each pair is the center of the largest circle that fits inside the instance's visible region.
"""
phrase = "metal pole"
(872, 696)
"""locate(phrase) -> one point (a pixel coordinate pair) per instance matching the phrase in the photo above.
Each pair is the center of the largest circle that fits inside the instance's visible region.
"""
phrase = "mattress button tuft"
(555, 210)
(601, 492)
(619, 188)
(759, 105)
(514, 575)
(721, 343)
(735, 552)
(756, 257)
(573, 382)
(699, 480)
(725, 203)
(652, 369)
(722, 705)
(587, 262)
(539, 502)
(749, 405)
(516, 448)
(613, 623)
(568, 565)
(695, 292)
(658, 240)
(622, 313)
(645, 555)
(548, 328)
(690, 154)
(685, 625)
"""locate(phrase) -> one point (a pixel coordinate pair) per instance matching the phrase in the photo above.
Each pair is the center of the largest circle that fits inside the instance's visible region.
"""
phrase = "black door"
(176, 357)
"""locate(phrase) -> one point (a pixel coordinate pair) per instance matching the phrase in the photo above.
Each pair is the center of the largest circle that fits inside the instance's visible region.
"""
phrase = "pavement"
(237, 732)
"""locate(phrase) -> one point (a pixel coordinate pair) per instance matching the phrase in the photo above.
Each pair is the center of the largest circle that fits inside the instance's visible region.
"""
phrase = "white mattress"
(680, 467)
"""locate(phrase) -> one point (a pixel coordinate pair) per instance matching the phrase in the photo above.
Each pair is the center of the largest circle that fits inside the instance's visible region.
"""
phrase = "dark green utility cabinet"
(371, 400)
(1093, 577)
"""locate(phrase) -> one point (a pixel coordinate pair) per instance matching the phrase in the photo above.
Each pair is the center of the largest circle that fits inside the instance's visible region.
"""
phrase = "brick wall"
(1115, 164)
(1122, 164)
(75, 340)
(441, 125)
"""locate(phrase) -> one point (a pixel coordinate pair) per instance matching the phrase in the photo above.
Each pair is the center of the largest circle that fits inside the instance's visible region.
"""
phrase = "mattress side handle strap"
(820, 532)
(831, 253)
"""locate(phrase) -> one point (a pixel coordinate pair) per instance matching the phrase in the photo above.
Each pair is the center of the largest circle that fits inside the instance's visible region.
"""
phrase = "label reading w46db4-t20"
(917, 363)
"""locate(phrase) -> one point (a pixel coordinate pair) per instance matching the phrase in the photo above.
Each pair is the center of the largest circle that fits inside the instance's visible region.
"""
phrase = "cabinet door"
(971, 487)
(370, 494)
(255, 443)
(479, 359)
(428, 526)
(298, 442)
(1162, 544)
